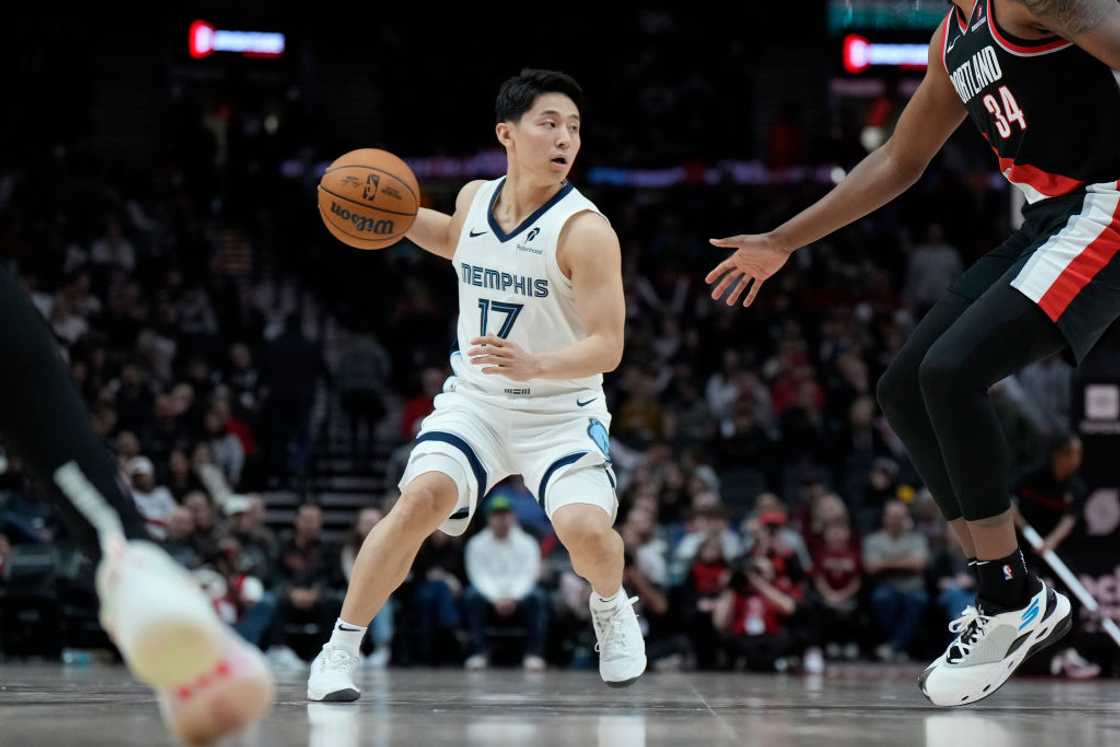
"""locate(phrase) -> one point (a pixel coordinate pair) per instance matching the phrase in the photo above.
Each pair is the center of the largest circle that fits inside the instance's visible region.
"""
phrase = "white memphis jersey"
(511, 286)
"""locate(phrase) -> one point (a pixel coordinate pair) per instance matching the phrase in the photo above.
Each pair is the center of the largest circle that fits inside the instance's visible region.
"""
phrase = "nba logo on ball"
(372, 181)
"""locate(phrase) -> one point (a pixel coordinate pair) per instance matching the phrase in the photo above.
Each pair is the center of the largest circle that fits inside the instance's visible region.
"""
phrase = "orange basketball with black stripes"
(368, 198)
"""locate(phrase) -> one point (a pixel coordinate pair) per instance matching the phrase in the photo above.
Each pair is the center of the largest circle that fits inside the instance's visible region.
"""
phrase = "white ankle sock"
(348, 636)
(607, 603)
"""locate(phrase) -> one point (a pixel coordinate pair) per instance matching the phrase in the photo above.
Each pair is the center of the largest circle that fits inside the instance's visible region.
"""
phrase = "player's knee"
(940, 372)
(424, 504)
(897, 390)
(583, 527)
(889, 390)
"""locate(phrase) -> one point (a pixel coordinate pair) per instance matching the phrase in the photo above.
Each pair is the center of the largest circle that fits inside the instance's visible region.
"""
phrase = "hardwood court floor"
(47, 705)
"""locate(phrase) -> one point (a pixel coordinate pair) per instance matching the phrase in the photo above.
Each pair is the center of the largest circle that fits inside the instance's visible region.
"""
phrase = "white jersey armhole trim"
(484, 191)
(554, 260)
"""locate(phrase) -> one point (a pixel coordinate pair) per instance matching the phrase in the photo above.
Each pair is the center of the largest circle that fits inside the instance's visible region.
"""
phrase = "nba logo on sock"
(1007, 574)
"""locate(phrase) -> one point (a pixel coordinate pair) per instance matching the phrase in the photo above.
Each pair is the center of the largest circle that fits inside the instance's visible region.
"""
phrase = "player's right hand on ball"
(757, 257)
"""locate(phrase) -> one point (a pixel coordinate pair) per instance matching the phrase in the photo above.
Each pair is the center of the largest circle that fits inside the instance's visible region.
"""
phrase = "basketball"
(368, 198)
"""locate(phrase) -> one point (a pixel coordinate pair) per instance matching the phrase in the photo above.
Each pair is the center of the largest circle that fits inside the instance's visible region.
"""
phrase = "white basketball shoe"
(989, 648)
(332, 676)
(621, 647)
(209, 681)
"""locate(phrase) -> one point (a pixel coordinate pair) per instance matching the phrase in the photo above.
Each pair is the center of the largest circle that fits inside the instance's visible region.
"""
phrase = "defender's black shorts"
(1064, 259)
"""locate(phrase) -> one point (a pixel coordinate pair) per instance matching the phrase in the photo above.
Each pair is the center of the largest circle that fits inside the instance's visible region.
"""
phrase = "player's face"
(547, 137)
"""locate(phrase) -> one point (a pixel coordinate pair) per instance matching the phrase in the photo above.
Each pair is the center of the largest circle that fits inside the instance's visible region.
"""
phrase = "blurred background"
(157, 196)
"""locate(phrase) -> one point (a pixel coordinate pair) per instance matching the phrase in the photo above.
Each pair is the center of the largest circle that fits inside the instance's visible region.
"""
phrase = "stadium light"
(204, 40)
(860, 53)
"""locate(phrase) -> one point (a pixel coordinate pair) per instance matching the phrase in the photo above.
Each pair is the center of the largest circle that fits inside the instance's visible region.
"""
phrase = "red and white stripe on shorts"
(1070, 259)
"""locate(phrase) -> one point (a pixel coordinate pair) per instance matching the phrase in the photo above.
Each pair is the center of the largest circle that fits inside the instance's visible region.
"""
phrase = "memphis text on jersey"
(521, 285)
(976, 74)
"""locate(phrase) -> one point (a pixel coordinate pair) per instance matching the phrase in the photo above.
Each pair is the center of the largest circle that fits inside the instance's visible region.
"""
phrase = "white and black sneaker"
(332, 676)
(621, 647)
(989, 648)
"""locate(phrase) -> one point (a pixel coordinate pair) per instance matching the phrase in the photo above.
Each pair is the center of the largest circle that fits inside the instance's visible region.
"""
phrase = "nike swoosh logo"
(588, 402)
(348, 630)
(476, 235)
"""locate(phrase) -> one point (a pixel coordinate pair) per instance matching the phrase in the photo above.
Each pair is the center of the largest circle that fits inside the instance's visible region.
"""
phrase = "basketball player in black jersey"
(1036, 77)
(209, 682)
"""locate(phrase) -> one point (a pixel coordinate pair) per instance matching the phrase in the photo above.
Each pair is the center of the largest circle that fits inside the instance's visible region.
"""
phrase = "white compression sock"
(347, 636)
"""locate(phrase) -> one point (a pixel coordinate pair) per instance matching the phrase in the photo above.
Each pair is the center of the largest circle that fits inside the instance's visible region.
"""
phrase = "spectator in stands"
(256, 516)
(420, 406)
(113, 248)
(438, 579)
(934, 265)
(309, 585)
(707, 522)
(154, 501)
(207, 536)
(294, 365)
(258, 544)
(167, 432)
(503, 566)
(693, 423)
(246, 605)
(179, 542)
(1049, 497)
(361, 376)
(896, 559)
(225, 448)
(181, 480)
(127, 447)
(5, 551)
(771, 514)
(751, 613)
(956, 583)
(837, 580)
(645, 574)
(380, 630)
(706, 581)
(244, 381)
(133, 401)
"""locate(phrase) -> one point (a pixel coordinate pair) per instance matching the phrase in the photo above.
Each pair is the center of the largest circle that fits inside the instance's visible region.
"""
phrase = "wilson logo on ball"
(368, 225)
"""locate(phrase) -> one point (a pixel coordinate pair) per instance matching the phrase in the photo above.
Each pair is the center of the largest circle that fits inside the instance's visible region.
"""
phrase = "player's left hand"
(504, 358)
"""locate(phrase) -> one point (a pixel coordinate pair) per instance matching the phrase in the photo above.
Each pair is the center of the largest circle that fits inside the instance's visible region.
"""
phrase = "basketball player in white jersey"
(541, 317)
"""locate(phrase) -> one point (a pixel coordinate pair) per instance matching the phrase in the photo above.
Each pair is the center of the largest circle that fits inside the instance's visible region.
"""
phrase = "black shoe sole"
(1060, 631)
(341, 696)
(623, 683)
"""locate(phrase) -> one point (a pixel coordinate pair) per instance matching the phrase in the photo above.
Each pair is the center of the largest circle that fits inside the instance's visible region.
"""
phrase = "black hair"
(516, 96)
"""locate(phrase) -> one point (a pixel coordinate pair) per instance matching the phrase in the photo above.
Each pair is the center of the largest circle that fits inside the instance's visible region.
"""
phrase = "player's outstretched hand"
(756, 258)
(503, 357)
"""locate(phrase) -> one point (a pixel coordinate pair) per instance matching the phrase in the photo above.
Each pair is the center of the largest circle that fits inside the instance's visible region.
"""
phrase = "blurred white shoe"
(814, 661)
(476, 662)
(285, 659)
(1071, 664)
(379, 659)
(210, 683)
(533, 664)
